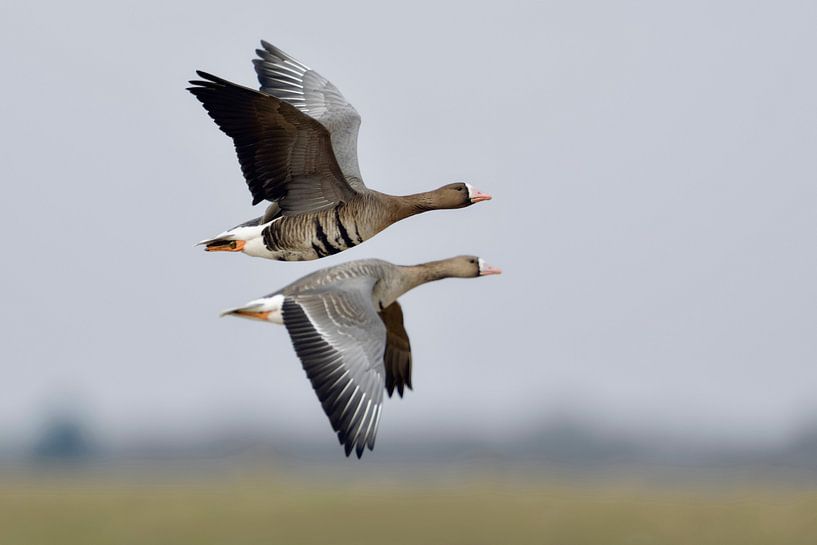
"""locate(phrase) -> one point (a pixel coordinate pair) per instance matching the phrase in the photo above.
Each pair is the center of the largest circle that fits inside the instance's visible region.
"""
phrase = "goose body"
(296, 141)
(347, 329)
(317, 234)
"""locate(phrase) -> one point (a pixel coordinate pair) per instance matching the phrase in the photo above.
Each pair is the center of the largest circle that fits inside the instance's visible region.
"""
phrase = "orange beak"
(225, 246)
(250, 314)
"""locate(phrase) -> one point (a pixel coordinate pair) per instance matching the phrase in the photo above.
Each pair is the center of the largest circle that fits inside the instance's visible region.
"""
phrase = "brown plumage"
(319, 205)
(397, 357)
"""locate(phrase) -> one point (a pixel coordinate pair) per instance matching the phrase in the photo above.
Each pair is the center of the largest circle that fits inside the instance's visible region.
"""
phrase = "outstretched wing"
(285, 155)
(340, 340)
(288, 79)
(397, 358)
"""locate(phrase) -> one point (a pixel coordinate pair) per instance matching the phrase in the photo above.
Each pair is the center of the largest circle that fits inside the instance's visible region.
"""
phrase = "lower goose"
(347, 329)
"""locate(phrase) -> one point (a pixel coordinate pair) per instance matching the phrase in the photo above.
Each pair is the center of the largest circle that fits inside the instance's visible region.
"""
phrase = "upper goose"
(296, 141)
(347, 328)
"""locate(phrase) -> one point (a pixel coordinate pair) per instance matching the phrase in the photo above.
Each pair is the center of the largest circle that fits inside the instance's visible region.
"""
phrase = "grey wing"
(340, 340)
(287, 79)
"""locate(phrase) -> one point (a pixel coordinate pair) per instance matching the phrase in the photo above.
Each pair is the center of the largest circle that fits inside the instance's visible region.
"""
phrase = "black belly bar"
(321, 244)
(344, 234)
(328, 249)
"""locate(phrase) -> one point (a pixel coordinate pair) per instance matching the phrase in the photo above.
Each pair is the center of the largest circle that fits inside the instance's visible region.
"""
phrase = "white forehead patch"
(481, 263)
(470, 190)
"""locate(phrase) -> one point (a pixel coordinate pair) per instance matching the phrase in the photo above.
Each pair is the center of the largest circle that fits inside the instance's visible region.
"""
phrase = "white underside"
(256, 247)
(253, 237)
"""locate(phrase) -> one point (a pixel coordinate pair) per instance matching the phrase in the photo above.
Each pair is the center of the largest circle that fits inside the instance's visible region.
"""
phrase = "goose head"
(457, 195)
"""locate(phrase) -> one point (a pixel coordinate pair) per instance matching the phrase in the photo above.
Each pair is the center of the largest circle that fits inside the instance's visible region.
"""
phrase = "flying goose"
(296, 141)
(347, 329)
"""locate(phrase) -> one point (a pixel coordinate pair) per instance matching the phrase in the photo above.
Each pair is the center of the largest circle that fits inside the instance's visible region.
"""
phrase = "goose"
(296, 141)
(347, 329)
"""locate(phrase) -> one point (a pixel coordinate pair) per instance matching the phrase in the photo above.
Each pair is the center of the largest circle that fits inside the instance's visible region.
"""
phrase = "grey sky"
(655, 182)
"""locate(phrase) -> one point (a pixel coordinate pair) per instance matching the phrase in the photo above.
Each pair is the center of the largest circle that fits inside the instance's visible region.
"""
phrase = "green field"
(268, 508)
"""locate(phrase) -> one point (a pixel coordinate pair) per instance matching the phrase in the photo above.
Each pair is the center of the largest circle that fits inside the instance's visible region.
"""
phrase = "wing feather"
(285, 155)
(286, 78)
(397, 357)
(340, 340)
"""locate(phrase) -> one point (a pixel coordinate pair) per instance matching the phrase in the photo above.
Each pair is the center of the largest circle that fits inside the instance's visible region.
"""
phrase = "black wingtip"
(357, 448)
(210, 78)
(272, 53)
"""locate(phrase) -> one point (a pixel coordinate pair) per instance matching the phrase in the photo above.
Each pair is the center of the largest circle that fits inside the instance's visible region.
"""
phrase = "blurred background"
(643, 372)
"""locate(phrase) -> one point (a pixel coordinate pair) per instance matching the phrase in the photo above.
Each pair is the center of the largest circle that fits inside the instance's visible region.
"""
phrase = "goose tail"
(267, 309)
